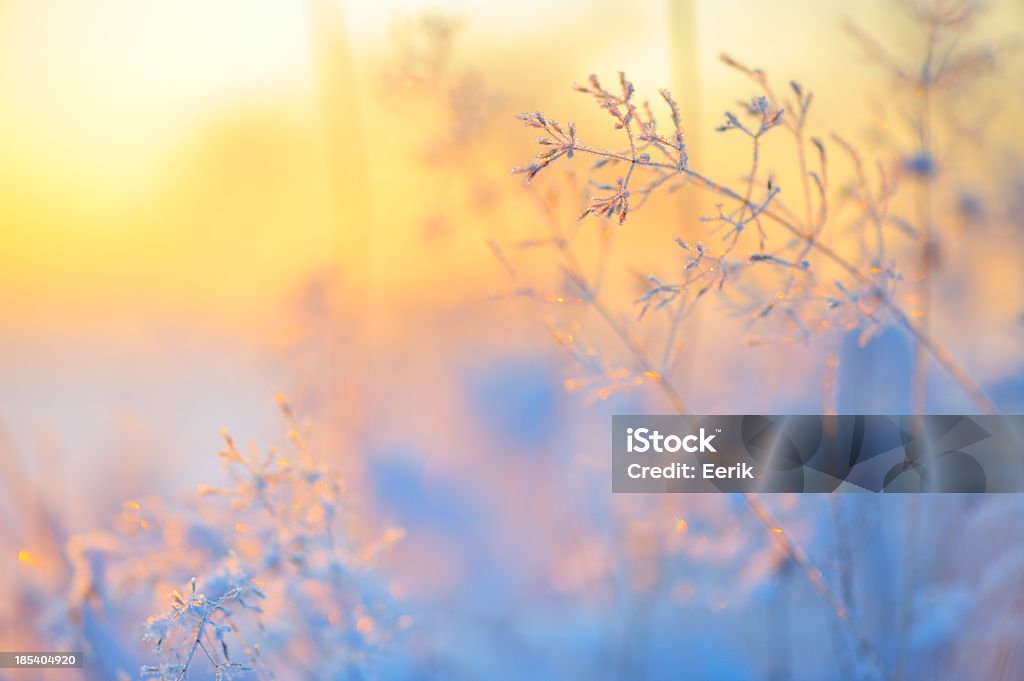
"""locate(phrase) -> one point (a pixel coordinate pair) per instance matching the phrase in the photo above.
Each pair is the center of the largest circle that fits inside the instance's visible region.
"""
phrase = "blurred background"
(205, 204)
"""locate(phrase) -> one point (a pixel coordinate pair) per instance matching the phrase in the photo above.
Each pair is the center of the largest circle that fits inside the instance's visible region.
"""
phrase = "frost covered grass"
(812, 279)
(264, 579)
(473, 535)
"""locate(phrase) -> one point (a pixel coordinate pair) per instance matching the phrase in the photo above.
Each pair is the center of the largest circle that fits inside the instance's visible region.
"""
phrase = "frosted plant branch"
(662, 160)
(191, 619)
